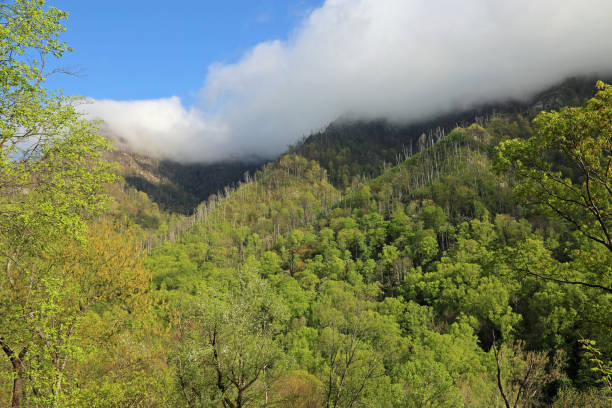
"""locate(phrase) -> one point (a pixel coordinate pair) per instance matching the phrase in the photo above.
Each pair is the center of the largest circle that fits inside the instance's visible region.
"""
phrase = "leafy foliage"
(429, 285)
(578, 186)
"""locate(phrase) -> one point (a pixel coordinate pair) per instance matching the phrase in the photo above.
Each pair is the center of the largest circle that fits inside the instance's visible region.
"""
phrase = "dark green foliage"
(177, 187)
(350, 149)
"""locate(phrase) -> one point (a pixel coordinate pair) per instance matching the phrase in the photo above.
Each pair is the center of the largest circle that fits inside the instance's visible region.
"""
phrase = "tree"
(355, 341)
(522, 374)
(599, 366)
(228, 348)
(566, 166)
(51, 175)
(115, 356)
(298, 389)
(101, 281)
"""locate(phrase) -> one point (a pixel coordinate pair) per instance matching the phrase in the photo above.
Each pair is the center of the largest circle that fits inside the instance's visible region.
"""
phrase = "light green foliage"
(62, 267)
(400, 304)
(577, 187)
(521, 375)
(228, 342)
(434, 218)
(397, 294)
(599, 366)
(570, 397)
(50, 163)
(426, 286)
(355, 342)
(446, 370)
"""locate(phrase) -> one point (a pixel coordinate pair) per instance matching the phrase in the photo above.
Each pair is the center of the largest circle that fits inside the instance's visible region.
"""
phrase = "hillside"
(462, 261)
(444, 281)
(349, 151)
(428, 285)
(174, 186)
(357, 148)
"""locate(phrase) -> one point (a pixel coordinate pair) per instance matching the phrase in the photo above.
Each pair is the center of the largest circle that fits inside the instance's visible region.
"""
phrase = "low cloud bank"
(397, 59)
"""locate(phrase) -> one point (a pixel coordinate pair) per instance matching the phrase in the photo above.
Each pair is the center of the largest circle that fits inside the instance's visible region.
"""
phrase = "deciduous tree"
(566, 166)
(51, 174)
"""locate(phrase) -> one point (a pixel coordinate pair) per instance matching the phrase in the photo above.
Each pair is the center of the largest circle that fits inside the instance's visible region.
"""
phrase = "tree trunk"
(17, 398)
(17, 364)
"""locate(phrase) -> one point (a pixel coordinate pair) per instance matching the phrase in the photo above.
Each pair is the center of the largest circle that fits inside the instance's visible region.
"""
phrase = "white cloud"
(162, 128)
(399, 59)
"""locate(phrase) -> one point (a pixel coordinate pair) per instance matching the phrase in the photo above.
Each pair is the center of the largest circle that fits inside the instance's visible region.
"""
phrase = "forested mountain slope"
(349, 148)
(443, 282)
(178, 187)
(429, 285)
(474, 270)
(248, 220)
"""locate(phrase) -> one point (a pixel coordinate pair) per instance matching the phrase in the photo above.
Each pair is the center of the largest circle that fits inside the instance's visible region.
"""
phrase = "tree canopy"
(426, 286)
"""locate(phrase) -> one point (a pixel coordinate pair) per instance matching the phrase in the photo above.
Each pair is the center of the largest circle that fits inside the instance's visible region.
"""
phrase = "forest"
(467, 266)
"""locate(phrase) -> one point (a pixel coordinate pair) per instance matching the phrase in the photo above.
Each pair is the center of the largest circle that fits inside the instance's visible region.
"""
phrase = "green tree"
(521, 375)
(51, 175)
(104, 281)
(355, 342)
(228, 343)
(577, 185)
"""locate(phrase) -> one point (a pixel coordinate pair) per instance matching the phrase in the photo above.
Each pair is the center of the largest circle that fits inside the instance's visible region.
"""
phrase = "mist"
(403, 60)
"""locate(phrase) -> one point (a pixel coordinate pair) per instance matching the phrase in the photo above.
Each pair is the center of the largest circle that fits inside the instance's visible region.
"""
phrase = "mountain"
(406, 291)
(349, 149)
(178, 187)
(469, 271)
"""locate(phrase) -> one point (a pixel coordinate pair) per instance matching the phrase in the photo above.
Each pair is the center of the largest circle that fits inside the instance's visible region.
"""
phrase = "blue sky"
(146, 49)
(147, 64)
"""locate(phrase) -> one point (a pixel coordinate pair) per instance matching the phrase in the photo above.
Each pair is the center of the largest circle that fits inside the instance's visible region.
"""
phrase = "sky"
(215, 80)
(147, 49)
